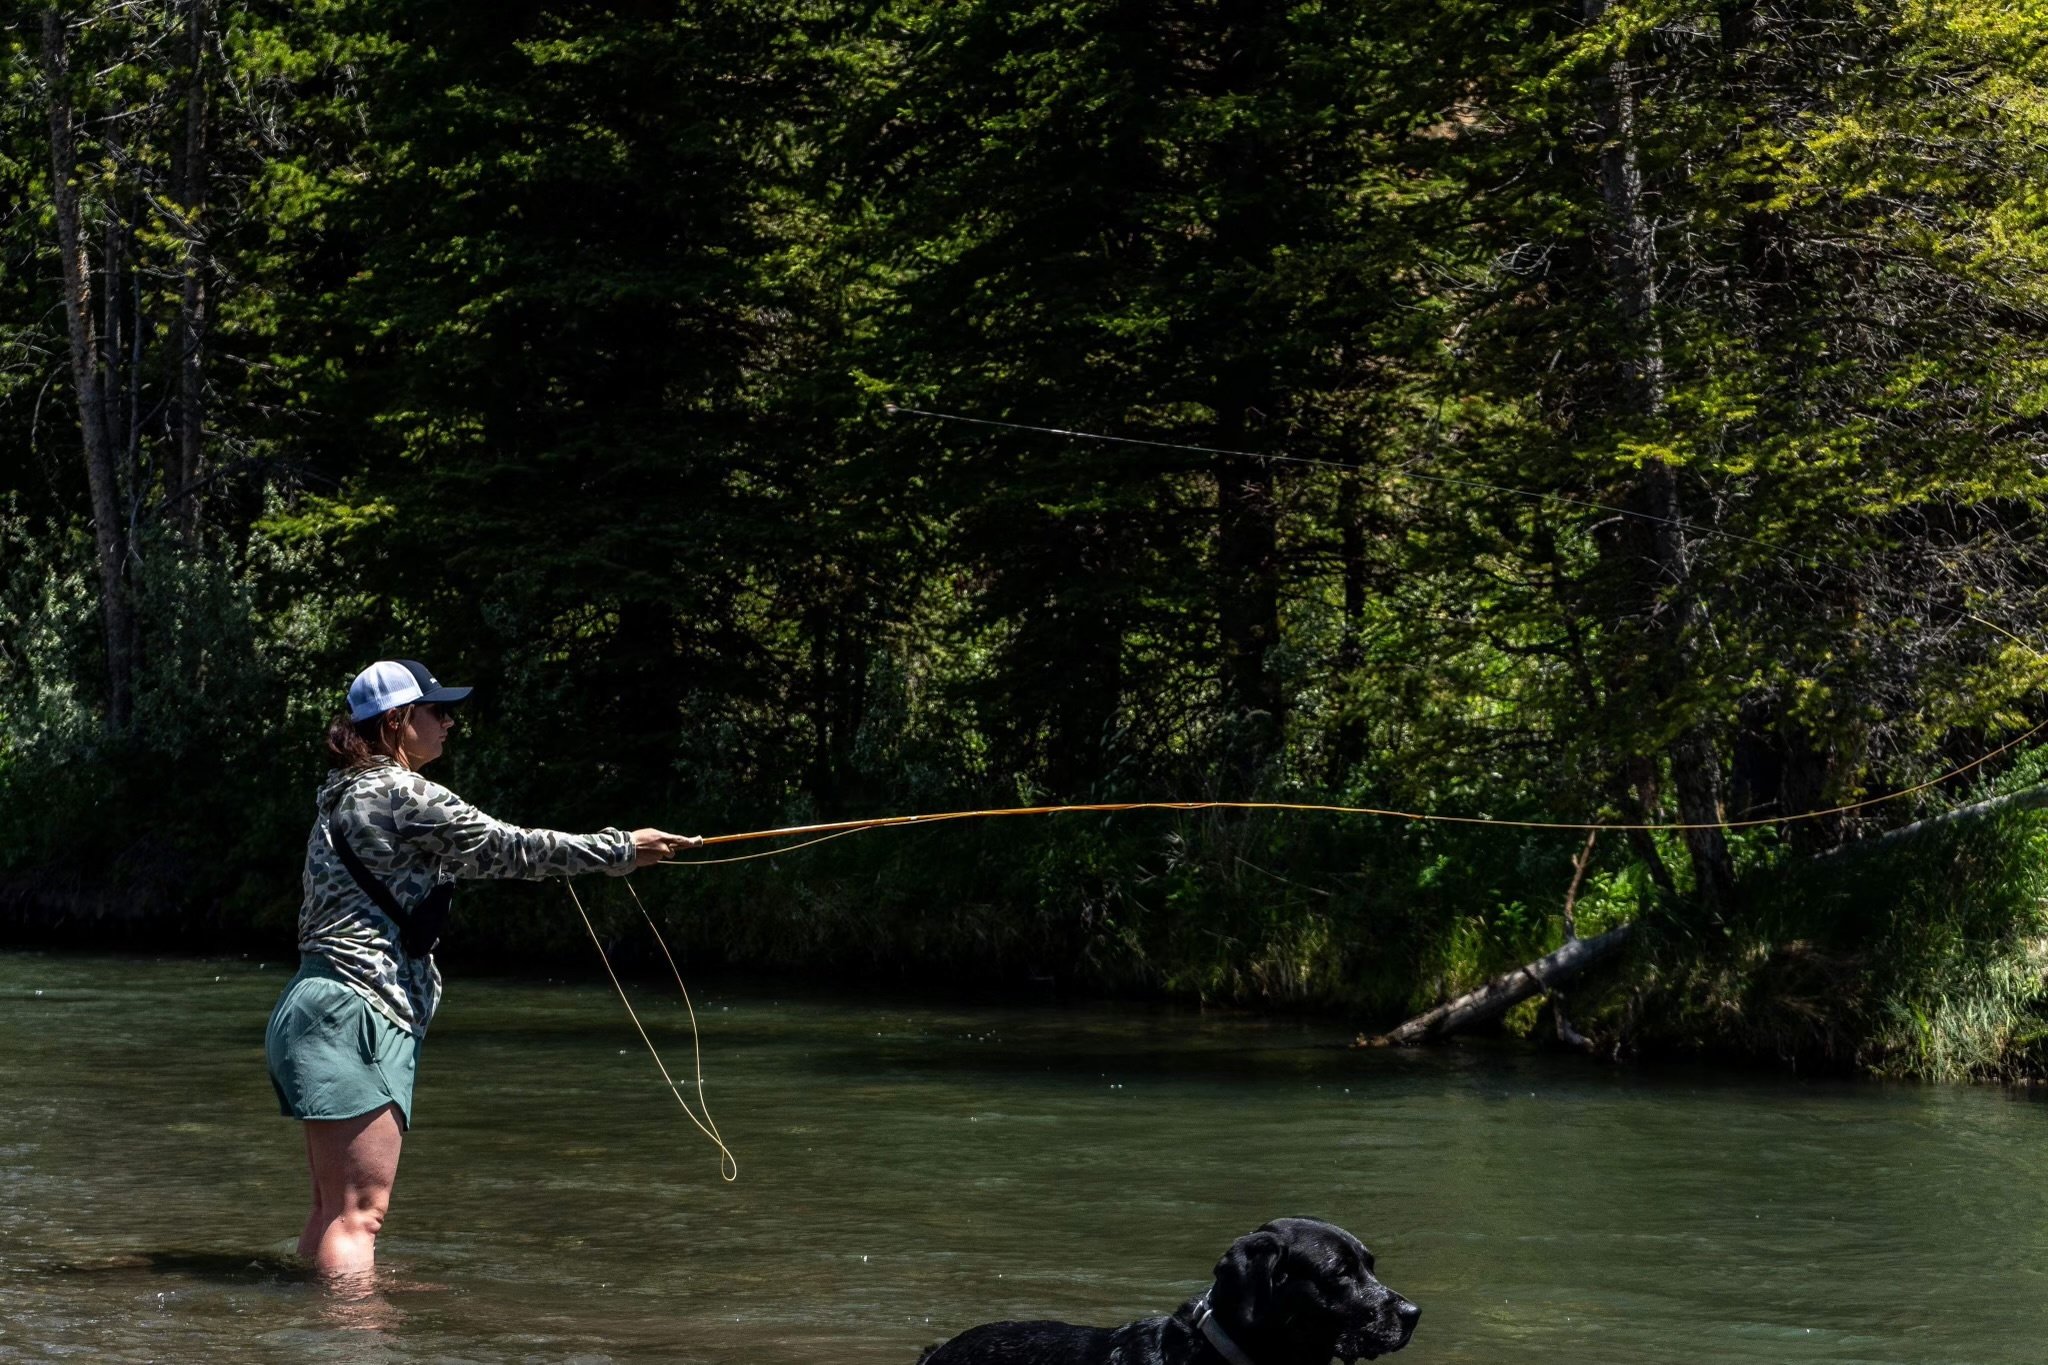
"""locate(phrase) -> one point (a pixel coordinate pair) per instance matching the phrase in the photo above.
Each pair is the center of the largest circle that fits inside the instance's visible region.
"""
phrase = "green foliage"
(1926, 959)
(46, 660)
(1687, 463)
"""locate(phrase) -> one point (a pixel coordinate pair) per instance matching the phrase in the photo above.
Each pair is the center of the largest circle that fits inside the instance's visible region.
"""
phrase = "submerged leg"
(355, 1164)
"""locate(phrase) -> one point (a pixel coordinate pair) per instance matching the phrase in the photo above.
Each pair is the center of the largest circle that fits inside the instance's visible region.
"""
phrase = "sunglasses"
(438, 712)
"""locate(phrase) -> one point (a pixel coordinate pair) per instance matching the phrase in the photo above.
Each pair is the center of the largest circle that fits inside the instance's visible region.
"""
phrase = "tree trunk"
(1696, 776)
(1248, 510)
(836, 628)
(192, 299)
(1631, 261)
(1634, 785)
(1348, 748)
(1571, 893)
(1248, 554)
(1087, 625)
(89, 380)
(816, 629)
(1643, 843)
(850, 687)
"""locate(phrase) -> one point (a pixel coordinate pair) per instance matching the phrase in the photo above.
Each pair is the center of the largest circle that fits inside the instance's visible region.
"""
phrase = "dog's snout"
(1409, 1314)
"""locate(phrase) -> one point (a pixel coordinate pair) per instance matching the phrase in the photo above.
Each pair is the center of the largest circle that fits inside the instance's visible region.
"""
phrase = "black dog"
(1296, 1292)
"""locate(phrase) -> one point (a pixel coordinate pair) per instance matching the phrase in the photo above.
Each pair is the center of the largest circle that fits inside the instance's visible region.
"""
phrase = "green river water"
(909, 1169)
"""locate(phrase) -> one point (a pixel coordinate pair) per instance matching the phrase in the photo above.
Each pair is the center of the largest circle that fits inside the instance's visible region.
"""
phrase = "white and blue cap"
(396, 682)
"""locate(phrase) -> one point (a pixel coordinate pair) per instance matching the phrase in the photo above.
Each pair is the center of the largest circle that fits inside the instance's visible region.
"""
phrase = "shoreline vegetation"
(1630, 412)
(1922, 962)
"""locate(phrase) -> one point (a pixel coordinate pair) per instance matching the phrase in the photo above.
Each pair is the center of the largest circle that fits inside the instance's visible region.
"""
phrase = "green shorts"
(332, 1054)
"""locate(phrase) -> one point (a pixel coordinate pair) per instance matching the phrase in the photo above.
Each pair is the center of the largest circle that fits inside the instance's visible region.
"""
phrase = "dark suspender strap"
(378, 893)
(419, 933)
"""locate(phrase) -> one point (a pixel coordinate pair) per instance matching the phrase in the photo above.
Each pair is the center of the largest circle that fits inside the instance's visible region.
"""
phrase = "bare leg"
(316, 1221)
(355, 1164)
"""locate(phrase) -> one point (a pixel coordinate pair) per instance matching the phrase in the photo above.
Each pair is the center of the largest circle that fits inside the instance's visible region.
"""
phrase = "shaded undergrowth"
(1927, 959)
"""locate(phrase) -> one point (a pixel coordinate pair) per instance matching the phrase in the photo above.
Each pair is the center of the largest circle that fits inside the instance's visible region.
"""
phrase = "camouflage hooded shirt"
(413, 834)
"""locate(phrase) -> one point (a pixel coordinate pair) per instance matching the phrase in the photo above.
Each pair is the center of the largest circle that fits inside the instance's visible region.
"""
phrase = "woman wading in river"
(385, 851)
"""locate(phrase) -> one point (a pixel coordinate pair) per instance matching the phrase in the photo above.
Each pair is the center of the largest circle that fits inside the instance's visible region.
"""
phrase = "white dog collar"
(1206, 1324)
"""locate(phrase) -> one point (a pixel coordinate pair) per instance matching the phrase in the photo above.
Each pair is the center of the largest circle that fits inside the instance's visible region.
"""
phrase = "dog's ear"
(1251, 1269)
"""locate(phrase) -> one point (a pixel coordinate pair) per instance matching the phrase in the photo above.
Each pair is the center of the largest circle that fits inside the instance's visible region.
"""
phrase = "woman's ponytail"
(358, 743)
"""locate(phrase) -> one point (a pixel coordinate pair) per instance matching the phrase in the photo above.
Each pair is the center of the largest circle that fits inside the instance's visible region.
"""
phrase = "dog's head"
(1299, 1291)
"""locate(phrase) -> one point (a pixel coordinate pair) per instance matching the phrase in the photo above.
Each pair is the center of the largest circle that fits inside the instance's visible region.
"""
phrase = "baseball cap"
(397, 682)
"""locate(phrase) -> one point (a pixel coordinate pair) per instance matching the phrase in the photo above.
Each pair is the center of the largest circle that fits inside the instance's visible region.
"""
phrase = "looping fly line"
(839, 828)
(728, 1165)
(750, 857)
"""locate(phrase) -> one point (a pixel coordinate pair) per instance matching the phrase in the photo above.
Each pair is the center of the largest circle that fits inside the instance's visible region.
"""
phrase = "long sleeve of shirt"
(412, 835)
(429, 820)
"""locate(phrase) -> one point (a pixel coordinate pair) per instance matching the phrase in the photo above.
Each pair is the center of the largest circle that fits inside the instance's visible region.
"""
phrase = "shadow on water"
(212, 1267)
(349, 1304)
(228, 1269)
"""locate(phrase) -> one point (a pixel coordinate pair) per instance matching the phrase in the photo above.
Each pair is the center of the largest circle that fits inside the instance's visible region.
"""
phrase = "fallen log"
(1504, 992)
(1546, 973)
(2027, 798)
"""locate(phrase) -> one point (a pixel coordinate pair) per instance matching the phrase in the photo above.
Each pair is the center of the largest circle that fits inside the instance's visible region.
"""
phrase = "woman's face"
(423, 734)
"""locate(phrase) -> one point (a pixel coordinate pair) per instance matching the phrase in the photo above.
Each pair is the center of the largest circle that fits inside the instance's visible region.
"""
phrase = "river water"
(909, 1169)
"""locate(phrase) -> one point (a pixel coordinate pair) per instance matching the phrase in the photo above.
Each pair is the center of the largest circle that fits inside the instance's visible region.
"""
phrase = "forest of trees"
(1655, 391)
